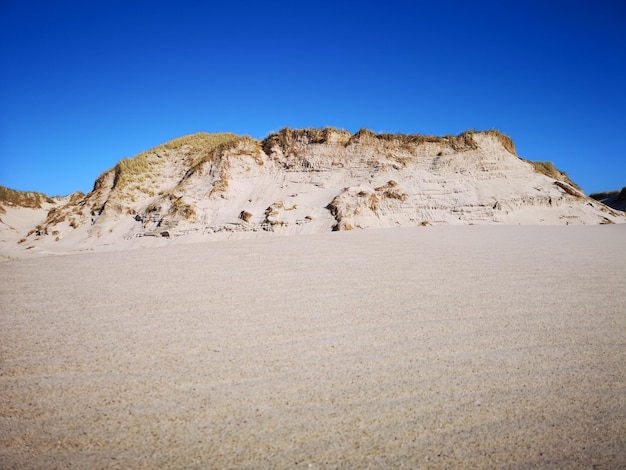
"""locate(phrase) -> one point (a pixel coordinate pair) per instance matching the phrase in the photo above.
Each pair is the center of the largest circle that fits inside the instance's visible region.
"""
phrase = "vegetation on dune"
(245, 144)
(504, 140)
(201, 141)
(613, 199)
(134, 166)
(202, 145)
(29, 199)
(607, 194)
(465, 141)
(287, 138)
(367, 136)
(186, 211)
(462, 142)
(180, 180)
(128, 169)
(548, 169)
(207, 146)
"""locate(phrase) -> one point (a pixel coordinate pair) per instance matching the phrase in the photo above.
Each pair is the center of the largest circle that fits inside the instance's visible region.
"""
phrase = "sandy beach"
(435, 347)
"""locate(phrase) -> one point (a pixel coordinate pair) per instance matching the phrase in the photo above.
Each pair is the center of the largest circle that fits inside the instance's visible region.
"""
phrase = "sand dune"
(439, 347)
(303, 182)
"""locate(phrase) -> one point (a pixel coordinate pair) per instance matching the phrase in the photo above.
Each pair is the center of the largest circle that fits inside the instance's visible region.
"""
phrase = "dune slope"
(215, 186)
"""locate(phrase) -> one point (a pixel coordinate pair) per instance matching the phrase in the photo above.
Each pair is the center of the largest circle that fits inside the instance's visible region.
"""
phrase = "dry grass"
(221, 144)
(74, 207)
(203, 146)
(462, 142)
(219, 186)
(287, 139)
(372, 202)
(366, 136)
(76, 197)
(459, 143)
(102, 179)
(181, 208)
(56, 215)
(29, 199)
(271, 216)
(548, 169)
(175, 208)
(129, 169)
(217, 153)
(245, 216)
(504, 139)
(290, 140)
(202, 141)
(391, 191)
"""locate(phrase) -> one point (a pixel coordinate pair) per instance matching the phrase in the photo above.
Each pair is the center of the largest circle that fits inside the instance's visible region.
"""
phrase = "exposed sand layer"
(303, 182)
(439, 347)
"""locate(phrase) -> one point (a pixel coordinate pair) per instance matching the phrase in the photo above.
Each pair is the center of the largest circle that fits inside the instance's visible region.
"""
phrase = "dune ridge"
(305, 181)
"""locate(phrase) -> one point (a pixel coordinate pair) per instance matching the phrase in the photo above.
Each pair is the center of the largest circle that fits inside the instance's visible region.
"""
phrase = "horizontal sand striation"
(459, 347)
(300, 182)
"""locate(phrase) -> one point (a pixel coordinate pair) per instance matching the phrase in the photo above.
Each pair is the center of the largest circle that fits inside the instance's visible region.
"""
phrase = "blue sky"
(84, 84)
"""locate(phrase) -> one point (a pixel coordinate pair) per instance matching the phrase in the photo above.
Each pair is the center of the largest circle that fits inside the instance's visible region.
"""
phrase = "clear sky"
(84, 84)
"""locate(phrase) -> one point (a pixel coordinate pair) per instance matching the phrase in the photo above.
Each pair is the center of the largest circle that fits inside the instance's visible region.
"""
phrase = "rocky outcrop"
(311, 180)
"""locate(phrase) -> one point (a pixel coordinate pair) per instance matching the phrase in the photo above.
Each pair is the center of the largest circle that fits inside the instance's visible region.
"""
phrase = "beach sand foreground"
(437, 347)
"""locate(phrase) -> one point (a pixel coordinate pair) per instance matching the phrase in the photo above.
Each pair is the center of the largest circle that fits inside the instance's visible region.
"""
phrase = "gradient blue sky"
(84, 84)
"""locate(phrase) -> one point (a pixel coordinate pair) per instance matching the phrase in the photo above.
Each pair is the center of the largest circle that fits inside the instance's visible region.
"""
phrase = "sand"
(436, 347)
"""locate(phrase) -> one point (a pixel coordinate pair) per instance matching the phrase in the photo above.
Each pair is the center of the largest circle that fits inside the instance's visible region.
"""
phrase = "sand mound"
(213, 186)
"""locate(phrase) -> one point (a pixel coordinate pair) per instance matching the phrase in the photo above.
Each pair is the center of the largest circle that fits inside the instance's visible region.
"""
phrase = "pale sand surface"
(437, 347)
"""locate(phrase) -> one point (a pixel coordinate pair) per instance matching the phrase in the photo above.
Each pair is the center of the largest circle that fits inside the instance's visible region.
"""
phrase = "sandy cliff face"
(307, 181)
